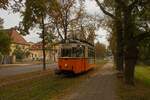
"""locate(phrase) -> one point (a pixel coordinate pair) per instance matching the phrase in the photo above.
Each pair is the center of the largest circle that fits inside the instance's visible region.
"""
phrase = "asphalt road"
(24, 69)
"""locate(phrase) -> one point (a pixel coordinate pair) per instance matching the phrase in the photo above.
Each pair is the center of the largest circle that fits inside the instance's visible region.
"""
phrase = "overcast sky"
(11, 20)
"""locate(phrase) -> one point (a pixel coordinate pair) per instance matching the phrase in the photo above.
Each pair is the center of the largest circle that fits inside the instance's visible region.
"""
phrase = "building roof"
(37, 46)
(16, 37)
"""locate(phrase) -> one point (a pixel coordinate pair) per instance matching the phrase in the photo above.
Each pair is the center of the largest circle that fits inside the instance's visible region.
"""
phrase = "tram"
(76, 57)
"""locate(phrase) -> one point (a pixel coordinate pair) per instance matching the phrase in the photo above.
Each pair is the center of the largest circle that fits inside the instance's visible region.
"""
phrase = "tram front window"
(79, 52)
(66, 53)
(72, 52)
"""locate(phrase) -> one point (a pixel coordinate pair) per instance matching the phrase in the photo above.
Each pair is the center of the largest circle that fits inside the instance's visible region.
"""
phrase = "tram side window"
(91, 53)
(80, 51)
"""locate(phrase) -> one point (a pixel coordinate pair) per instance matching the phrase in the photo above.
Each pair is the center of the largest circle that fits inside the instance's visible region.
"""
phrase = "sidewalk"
(19, 64)
(13, 65)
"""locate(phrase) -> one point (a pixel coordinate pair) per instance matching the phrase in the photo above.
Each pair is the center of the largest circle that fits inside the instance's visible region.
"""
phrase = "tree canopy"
(4, 43)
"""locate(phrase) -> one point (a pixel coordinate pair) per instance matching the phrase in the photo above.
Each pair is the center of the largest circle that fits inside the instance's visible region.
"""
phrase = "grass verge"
(142, 73)
(45, 87)
(141, 90)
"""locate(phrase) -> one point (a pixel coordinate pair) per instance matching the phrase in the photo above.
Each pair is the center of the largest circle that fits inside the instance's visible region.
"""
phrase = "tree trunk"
(130, 47)
(119, 48)
(44, 54)
(43, 44)
(130, 62)
(119, 39)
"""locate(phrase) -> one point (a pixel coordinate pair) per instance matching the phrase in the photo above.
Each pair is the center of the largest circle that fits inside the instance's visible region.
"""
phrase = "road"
(24, 69)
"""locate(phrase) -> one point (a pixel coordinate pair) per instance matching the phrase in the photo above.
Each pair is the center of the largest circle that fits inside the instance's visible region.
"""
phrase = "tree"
(64, 15)
(13, 4)
(35, 16)
(144, 55)
(86, 28)
(83, 28)
(116, 28)
(4, 40)
(4, 4)
(100, 50)
(131, 36)
(131, 13)
(4, 43)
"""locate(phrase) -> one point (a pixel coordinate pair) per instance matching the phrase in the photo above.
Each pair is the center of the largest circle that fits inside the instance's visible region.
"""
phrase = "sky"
(13, 19)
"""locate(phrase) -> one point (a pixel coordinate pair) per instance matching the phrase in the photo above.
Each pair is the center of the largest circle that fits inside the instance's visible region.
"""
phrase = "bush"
(146, 62)
(19, 53)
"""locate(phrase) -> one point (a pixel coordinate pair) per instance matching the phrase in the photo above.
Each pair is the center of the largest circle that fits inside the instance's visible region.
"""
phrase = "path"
(23, 69)
(98, 87)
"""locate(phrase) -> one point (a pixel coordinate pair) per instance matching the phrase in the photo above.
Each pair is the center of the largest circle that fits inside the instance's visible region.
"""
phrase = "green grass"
(46, 87)
(141, 90)
(142, 73)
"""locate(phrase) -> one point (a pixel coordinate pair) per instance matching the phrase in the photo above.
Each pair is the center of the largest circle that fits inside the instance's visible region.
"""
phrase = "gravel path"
(98, 87)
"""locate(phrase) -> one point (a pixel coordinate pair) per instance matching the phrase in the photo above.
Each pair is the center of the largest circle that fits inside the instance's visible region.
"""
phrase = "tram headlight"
(66, 65)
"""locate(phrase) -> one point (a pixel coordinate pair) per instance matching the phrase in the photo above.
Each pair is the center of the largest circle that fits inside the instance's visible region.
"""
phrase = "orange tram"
(76, 57)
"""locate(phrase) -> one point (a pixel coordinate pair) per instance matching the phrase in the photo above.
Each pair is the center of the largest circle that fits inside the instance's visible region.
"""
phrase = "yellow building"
(37, 53)
(17, 41)
(34, 49)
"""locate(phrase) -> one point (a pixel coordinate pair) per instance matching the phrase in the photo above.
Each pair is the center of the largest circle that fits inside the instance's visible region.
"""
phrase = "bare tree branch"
(104, 11)
(58, 31)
